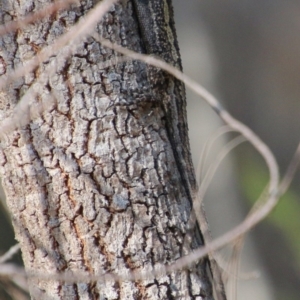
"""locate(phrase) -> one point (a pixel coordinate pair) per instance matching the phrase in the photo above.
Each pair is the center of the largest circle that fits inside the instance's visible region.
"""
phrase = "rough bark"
(92, 184)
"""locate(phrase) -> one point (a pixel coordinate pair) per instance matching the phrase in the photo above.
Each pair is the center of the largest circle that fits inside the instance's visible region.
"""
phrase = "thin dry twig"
(234, 268)
(198, 207)
(206, 149)
(214, 166)
(11, 270)
(239, 243)
(10, 253)
(48, 10)
(25, 111)
(247, 224)
(258, 144)
(74, 36)
(290, 172)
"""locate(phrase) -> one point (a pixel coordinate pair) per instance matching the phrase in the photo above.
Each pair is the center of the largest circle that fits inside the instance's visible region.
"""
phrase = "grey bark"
(92, 184)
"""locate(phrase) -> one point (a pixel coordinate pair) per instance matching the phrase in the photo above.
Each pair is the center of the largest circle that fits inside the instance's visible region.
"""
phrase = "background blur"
(247, 53)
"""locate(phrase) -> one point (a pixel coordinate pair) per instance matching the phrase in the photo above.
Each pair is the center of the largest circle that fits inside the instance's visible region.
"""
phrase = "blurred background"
(247, 53)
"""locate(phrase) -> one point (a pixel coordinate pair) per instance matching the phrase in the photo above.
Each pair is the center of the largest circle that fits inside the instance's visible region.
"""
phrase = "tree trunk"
(93, 185)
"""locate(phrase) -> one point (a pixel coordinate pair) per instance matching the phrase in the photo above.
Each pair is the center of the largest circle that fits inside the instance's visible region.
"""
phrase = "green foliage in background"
(285, 216)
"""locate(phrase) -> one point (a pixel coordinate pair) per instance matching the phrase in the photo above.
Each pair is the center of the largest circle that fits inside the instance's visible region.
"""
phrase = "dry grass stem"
(48, 10)
(10, 253)
(257, 143)
(206, 149)
(74, 36)
(71, 38)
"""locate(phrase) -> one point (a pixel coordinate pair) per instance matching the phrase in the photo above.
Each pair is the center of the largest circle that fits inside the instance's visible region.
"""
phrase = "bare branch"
(10, 253)
(11, 270)
(206, 149)
(290, 172)
(48, 10)
(214, 166)
(258, 144)
(74, 36)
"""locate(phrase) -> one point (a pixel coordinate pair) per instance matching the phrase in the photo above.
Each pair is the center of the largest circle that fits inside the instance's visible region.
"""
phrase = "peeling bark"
(92, 184)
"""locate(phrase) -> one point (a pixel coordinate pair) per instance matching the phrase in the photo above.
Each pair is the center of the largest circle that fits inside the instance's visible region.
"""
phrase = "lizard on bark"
(156, 24)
